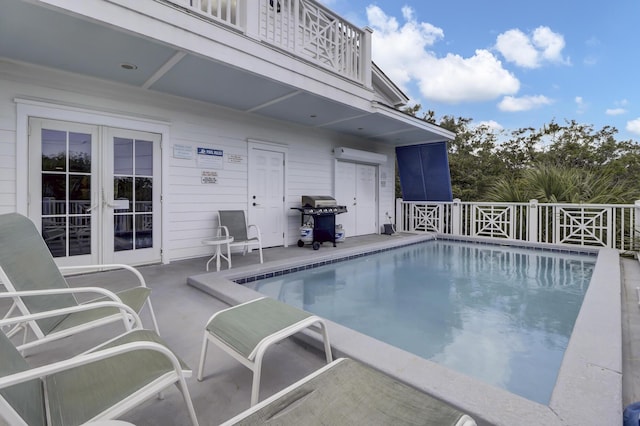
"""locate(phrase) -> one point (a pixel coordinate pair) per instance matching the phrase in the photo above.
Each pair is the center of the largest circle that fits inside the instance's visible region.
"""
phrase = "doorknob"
(256, 204)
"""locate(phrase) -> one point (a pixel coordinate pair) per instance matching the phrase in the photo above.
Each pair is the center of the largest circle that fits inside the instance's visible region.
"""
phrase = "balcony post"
(455, 217)
(250, 18)
(532, 221)
(365, 57)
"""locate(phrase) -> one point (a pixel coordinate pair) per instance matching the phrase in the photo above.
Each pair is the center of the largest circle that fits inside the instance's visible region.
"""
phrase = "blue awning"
(424, 172)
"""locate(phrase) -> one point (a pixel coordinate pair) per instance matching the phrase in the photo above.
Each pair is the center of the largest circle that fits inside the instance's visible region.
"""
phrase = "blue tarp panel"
(424, 172)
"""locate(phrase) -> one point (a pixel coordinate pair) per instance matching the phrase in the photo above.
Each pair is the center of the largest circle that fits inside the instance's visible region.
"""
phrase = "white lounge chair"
(247, 330)
(35, 284)
(100, 384)
(347, 392)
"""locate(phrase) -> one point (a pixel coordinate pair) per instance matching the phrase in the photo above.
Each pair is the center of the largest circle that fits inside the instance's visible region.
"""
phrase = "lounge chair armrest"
(70, 290)
(257, 230)
(88, 358)
(124, 309)
(225, 230)
(102, 268)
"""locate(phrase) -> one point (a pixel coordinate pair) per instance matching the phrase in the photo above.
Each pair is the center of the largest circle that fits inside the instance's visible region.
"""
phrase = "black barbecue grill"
(323, 210)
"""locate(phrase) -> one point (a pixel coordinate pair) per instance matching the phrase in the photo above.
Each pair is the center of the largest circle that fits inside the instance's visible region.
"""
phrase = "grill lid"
(316, 201)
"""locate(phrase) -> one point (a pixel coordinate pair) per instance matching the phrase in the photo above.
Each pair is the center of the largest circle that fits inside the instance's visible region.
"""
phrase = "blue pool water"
(501, 314)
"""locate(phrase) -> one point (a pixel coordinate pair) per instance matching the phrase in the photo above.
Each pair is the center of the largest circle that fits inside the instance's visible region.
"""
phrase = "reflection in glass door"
(95, 192)
(133, 194)
(61, 177)
(133, 207)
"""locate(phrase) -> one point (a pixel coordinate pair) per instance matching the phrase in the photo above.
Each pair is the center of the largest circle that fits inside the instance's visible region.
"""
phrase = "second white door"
(356, 189)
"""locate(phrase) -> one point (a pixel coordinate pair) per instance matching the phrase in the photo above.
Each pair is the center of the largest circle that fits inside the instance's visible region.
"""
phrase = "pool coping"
(589, 385)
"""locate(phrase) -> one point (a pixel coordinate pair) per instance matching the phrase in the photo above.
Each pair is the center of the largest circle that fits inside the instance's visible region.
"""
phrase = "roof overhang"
(103, 39)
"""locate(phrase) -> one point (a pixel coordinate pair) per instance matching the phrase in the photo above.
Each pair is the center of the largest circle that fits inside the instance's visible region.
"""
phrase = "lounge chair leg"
(203, 355)
(182, 386)
(327, 344)
(255, 385)
(261, 258)
(153, 317)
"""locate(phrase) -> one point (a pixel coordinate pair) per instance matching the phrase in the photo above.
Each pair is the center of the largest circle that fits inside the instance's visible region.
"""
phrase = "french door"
(356, 188)
(94, 192)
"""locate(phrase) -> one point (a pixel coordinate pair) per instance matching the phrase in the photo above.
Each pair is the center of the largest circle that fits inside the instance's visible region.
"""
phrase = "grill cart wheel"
(300, 243)
(316, 245)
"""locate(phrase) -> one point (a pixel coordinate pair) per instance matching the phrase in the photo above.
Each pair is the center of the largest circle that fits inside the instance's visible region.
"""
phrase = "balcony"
(303, 28)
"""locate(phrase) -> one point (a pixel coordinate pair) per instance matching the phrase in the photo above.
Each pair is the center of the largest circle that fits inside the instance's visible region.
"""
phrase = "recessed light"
(128, 66)
(360, 128)
(313, 116)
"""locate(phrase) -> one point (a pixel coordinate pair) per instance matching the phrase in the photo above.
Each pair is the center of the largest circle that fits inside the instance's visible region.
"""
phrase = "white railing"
(595, 225)
(301, 27)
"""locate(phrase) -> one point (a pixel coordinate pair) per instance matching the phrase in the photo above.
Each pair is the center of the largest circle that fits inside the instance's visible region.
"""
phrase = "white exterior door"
(94, 192)
(266, 192)
(356, 189)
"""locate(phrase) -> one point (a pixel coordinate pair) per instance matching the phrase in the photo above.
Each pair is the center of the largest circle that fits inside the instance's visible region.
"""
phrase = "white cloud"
(581, 105)
(615, 111)
(524, 103)
(491, 124)
(633, 126)
(402, 51)
(534, 50)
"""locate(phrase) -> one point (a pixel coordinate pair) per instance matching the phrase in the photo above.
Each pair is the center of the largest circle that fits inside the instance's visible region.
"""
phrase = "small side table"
(219, 241)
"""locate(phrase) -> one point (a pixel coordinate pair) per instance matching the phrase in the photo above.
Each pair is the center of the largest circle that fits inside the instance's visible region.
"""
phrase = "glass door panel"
(135, 193)
(62, 183)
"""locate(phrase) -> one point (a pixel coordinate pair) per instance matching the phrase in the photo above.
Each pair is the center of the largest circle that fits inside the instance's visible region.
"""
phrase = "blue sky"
(511, 64)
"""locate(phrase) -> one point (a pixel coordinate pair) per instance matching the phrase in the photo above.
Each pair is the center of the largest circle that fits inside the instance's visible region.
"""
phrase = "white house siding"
(188, 205)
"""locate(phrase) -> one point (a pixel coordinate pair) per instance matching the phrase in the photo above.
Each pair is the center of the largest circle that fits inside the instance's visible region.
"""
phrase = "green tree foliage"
(572, 163)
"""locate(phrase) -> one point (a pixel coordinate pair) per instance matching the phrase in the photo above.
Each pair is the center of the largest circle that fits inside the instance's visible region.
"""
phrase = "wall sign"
(209, 158)
(209, 177)
(183, 151)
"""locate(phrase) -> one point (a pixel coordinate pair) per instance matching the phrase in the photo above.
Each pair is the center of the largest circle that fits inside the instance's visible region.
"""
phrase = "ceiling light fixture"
(128, 66)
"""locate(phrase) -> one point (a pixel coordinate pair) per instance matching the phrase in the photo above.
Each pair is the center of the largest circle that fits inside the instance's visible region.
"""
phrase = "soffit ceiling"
(42, 36)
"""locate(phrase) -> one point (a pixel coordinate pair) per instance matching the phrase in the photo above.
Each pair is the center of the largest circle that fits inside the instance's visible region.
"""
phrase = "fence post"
(400, 219)
(455, 217)
(532, 221)
(635, 232)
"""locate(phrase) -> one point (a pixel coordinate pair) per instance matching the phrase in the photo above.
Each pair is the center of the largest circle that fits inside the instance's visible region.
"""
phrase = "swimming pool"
(500, 314)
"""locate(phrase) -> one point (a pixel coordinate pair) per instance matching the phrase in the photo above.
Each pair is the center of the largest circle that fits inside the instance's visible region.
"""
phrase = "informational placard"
(184, 152)
(209, 177)
(235, 158)
(209, 158)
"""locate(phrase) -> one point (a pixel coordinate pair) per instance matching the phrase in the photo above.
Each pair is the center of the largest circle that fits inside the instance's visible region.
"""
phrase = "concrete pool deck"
(182, 311)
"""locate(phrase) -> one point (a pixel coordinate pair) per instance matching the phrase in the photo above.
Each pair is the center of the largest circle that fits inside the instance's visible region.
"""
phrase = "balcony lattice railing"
(595, 225)
(304, 28)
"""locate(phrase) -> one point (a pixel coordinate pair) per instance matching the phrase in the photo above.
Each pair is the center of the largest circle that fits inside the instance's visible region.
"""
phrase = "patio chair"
(247, 330)
(100, 384)
(347, 392)
(35, 284)
(234, 224)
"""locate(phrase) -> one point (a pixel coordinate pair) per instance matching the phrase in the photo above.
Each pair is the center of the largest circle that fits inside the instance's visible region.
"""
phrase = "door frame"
(26, 108)
(284, 150)
(376, 183)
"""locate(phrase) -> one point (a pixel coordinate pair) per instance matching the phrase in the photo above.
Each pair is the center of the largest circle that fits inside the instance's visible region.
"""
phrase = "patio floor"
(183, 310)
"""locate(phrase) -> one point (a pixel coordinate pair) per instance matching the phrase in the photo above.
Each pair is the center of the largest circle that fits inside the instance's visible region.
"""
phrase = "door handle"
(256, 204)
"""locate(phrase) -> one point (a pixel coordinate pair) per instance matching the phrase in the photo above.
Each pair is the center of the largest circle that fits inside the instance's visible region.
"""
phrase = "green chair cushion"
(243, 327)
(351, 393)
(27, 398)
(78, 395)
